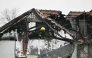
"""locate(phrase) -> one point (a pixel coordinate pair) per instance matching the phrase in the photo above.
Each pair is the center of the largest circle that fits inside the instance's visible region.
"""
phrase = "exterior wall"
(82, 51)
(85, 51)
(7, 49)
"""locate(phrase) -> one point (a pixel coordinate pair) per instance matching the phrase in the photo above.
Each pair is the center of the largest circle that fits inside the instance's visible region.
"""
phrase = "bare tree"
(8, 15)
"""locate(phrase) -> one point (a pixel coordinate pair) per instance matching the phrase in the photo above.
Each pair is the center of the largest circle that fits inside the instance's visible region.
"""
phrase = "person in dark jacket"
(38, 33)
(42, 33)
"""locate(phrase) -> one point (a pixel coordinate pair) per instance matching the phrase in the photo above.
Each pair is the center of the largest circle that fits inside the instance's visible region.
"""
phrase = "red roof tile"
(47, 12)
(73, 14)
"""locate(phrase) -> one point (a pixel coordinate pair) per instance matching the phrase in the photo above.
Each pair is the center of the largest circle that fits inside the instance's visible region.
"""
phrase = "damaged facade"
(76, 24)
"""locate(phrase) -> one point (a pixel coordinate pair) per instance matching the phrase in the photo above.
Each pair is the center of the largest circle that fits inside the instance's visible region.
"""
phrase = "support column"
(25, 37)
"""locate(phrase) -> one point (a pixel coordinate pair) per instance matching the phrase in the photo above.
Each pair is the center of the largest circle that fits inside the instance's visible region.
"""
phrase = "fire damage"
(77, 24)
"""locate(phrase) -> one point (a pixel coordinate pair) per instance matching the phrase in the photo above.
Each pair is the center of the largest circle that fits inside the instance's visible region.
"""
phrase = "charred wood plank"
(14, 21)
(43, 20)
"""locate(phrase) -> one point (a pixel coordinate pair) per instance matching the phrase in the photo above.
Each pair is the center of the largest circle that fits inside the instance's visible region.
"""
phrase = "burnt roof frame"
(40, 17)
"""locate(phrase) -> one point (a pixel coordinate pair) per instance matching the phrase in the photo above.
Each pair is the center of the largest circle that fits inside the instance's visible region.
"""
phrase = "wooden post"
(25, 37)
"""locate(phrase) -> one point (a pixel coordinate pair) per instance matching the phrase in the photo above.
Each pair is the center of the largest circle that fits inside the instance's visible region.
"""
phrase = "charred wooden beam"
(65, 39)
(8, 25)
(43, 20)
(32, 27)
(24, 35)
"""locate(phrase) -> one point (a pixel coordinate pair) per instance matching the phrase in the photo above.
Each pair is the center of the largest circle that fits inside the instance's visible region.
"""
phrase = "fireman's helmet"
(42, 29)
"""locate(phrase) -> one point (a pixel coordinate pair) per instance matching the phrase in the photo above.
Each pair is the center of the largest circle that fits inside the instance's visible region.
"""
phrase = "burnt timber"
(21, 24)
(76, 24)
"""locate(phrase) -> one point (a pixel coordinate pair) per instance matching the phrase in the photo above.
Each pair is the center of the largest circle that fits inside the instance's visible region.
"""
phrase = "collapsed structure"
(76, 24)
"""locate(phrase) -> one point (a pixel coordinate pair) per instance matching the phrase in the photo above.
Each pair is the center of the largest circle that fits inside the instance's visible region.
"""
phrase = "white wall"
(7, 49)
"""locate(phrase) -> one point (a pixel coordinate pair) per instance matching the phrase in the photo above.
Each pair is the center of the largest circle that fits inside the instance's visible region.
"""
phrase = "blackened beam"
(9, 24)
(77, 32)
(32, 27)
(34, 30)
(43, 20)
(62, 28)
(65, 39)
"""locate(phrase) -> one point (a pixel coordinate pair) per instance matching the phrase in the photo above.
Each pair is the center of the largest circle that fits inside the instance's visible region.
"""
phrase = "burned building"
(49, 19)
(80, 21)
(81, 28)
(76, 24)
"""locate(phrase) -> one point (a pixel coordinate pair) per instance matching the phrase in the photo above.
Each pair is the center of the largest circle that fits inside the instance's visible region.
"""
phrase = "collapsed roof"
(20, 22)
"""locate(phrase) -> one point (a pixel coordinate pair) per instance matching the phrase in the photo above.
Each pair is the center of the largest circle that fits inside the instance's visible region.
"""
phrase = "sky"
(63, 5)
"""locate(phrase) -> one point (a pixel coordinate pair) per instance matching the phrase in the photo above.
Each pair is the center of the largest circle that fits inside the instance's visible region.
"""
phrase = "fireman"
(42, 32)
